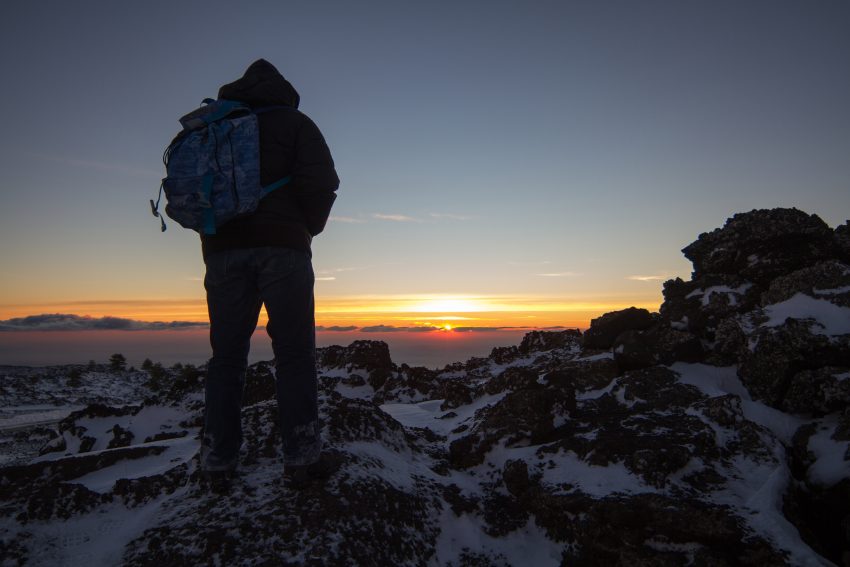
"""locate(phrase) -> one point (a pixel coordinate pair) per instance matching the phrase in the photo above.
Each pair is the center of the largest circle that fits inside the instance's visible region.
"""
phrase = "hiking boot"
(299, 476)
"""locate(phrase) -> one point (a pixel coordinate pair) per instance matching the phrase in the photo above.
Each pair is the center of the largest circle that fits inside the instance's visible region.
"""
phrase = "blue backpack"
(213, 167)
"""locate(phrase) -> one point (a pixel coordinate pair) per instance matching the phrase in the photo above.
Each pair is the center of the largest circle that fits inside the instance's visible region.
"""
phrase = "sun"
(447, 327)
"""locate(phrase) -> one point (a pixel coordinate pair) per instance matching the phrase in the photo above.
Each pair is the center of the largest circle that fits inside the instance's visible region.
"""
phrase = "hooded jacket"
(290, 144)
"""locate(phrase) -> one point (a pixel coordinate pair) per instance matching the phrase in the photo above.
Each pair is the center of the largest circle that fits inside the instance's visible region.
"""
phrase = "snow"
(714, 381)
(833, 291)
(525, 546)
(594, 480)
(178, 451)
(831, 318)
(95, 539)
(830, 466)
(26, 416)
(681, 324)
(732, 293)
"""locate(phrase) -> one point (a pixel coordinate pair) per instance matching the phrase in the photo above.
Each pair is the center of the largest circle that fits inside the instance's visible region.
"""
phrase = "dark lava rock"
(605, 329)
(699, 306)
(513, 379)
(259, 384)
(827, 280)
(730, 343)
(369, 355)
(653, 530)
(842, 237)
(779, 353)
(521, 417)
(763, 244)
(583, 375)
(515, 476)
(660, 344)
(538, 341)
(820, 391)
(120, 437)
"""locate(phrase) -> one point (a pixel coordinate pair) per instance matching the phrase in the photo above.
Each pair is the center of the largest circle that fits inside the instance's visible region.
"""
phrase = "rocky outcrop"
(762, 245)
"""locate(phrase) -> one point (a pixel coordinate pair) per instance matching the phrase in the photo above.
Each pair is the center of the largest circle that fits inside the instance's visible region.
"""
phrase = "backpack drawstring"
(155, 208)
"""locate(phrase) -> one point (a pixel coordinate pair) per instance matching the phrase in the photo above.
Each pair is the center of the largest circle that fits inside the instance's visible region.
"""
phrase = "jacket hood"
(261, 85)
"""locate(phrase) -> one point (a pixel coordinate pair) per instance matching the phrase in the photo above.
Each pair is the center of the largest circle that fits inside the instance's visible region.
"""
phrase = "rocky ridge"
(715, 432)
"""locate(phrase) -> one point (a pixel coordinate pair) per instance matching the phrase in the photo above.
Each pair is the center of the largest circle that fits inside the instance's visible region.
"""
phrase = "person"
(265, 258)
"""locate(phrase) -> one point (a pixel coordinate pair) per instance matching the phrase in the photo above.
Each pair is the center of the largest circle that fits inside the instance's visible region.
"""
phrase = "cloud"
(647, 278)
(394, 329)
(382, 329)
(337, 328)
(67, 322)
(394, 217)
(349, 220)
(325, 278)
(559, 274)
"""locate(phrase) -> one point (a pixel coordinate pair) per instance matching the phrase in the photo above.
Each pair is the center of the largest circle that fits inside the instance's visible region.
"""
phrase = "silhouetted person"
(265, 258)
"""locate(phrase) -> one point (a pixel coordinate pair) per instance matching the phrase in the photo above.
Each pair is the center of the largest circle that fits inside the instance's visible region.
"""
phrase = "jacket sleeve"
(314, 177)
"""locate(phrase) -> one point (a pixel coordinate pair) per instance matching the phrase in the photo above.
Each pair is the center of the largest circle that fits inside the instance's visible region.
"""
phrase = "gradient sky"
(503, 163)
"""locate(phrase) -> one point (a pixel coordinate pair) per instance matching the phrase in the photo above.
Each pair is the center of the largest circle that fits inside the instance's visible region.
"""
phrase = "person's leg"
(286, 287)
(234, 305)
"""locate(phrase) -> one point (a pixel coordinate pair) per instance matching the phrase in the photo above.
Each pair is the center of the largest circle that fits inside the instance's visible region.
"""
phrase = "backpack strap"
(276, 185)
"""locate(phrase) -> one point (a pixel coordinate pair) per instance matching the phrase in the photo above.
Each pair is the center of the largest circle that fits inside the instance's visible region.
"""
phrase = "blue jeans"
(238, 283)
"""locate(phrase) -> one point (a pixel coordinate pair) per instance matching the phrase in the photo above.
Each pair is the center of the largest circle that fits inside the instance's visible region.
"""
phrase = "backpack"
(213, 167)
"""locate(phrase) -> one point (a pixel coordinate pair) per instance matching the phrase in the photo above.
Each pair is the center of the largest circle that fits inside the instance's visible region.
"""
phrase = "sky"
(503, 164)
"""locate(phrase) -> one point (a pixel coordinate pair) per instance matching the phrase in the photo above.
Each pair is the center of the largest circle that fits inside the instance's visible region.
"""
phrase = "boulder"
(605, 329)
(763, 244)
(660, 344)
(828, 280)
(778, 353)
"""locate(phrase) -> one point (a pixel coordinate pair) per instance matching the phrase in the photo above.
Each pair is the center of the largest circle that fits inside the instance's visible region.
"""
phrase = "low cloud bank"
(67, 322)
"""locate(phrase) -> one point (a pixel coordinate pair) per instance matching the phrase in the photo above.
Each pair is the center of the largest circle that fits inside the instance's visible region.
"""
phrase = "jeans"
(238, 283)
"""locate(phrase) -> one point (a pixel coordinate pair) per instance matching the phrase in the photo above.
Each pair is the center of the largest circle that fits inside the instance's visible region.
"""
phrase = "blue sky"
(546, 152)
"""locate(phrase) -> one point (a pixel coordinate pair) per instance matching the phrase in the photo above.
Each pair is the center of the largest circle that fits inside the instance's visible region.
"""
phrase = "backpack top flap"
(213, 111)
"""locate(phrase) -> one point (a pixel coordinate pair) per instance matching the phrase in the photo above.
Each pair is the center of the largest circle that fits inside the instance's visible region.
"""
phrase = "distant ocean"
(45, 348)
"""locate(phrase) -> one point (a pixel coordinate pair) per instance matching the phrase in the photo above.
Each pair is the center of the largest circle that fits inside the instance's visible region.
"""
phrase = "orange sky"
(434, 310)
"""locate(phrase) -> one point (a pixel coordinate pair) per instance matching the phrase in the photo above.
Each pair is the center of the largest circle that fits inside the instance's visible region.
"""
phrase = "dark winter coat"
(290, 144)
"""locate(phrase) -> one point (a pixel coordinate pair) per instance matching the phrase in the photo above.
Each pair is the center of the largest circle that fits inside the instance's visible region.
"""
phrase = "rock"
(259, 384)
(699, 306)
(779, 353)
(583, 375)
(513, 379)
(539, 341)
(120, 437)
(515, 476)
(763, 244)
(828, 280)
(605, 329)
(633, 352)
(842, 237)
(368, 355)
(522, 417)
(819, 391)
(730, 343)
(660, 344)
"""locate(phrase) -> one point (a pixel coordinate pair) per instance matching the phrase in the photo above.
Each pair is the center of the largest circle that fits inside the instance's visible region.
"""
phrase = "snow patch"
(831, 318)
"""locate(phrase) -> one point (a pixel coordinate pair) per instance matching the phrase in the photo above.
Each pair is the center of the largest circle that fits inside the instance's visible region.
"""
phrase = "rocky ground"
(714, 432)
